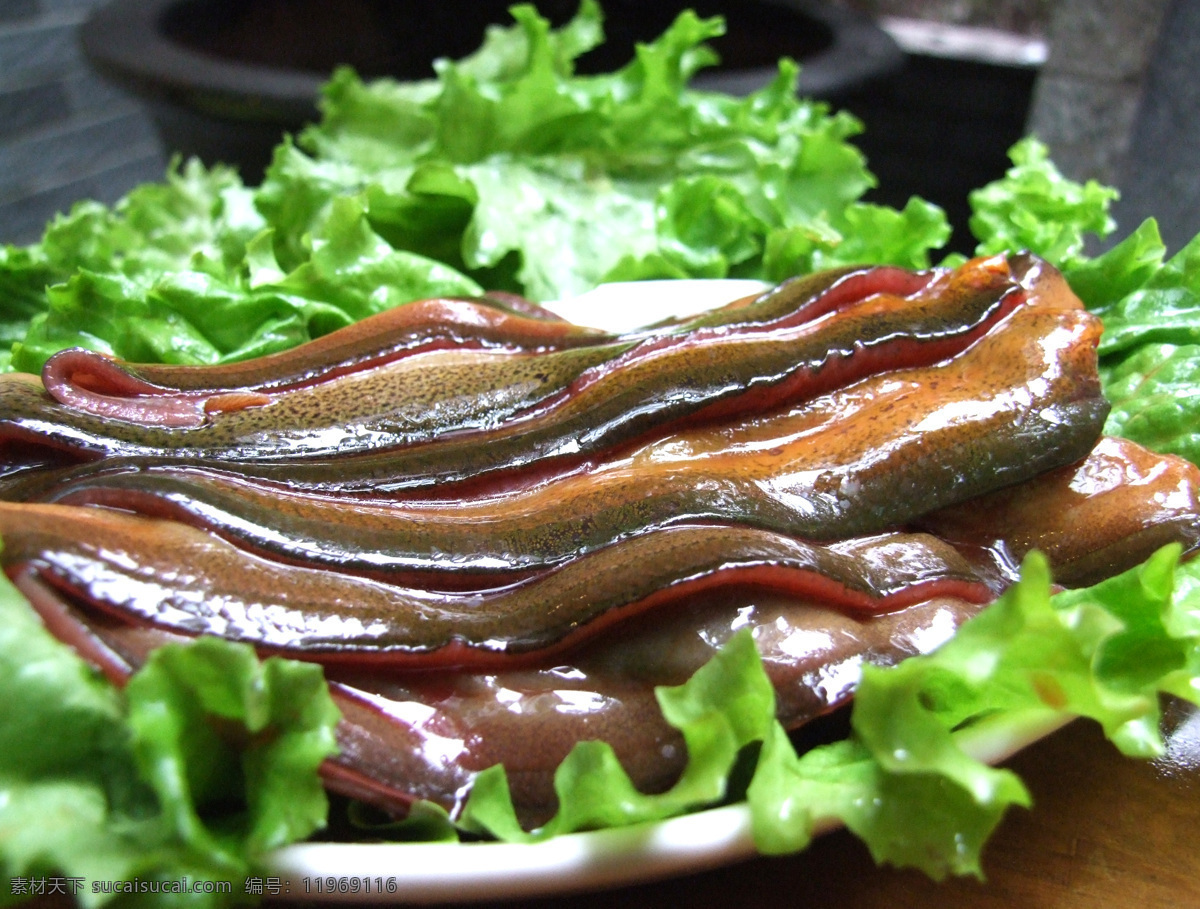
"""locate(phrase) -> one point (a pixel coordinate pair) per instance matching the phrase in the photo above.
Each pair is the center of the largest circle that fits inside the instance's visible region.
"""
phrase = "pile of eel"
(498, 531)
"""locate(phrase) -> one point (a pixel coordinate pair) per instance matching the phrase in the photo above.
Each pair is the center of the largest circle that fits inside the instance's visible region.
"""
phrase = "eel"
(182, 396)
(176, 577)
(451, 414)
(859, 460)
(1092, 519)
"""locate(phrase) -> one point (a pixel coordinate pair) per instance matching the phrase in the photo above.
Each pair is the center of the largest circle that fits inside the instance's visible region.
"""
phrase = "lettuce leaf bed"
(102, 785)
(508, 171)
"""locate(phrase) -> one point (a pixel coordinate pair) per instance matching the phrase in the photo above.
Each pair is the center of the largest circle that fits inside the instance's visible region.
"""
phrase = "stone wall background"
(65, 134)
(1117, 99)
(1159, 175)
(1091, 87)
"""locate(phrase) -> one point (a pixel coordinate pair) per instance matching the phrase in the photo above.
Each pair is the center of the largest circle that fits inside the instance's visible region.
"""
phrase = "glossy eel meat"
(499, 532)
(453, 414)
(826, 470)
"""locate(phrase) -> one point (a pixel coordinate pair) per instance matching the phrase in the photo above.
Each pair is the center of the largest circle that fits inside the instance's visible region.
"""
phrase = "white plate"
(443, 872)
(626, 305)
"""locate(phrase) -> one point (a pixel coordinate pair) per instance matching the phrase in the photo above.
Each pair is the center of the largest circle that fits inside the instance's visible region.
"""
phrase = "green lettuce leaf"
(1104, 280)
(726, 705)
(1034, 207)
(512, 168)
(1107, 653)
(504, 171)
(1155, 395)
(1150, 349)
(207, 760)
(903, 782)
(24, 274)
(194, 215)
(205, 310)
(925, 820)
(1163, 309)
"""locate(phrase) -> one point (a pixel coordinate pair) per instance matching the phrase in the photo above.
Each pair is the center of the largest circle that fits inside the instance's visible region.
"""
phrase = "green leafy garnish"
(1027, 655)
(204, 763)
(1035, 207)
(528, 176)
(211, 304)
(505, 171)
(1155, 392)
(728, 704)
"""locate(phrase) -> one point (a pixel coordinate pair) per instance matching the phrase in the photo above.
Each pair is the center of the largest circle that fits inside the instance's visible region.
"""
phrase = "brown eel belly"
(424, 735)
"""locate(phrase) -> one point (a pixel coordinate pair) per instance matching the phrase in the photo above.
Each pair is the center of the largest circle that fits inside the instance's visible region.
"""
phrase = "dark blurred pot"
(224, 79)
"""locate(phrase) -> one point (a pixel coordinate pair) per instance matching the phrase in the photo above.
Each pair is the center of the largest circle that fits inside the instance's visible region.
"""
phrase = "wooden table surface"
(1105, 832)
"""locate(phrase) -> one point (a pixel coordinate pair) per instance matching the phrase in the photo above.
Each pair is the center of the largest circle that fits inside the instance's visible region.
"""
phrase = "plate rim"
(585, 861)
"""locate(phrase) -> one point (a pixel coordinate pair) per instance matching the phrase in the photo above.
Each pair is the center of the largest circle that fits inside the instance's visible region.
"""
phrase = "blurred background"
(1109, 85)
(65, 133)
